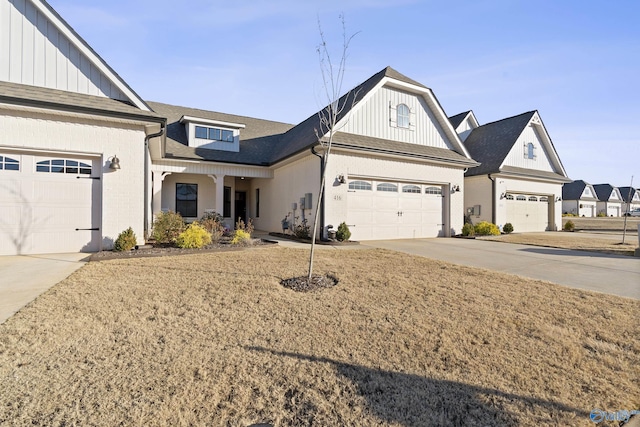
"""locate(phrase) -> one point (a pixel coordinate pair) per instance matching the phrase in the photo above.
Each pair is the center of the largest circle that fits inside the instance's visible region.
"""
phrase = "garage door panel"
(42, 210)
(527, 216)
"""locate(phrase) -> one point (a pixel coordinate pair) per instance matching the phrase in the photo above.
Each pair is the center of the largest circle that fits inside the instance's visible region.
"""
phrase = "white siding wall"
(477, 191)
(509, 185)
(289, 184)
(517, 158)
(352, 165)
(35, 53)
(465, 128)
(579, 207)
(122, 190)
(376, 119)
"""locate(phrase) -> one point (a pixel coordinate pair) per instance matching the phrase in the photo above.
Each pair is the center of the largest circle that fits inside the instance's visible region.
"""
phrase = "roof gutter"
(315, 153)
(148, 204)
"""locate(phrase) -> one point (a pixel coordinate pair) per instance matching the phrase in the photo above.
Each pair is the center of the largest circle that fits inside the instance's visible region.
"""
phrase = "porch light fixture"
(558, 199)
(115, 163)
(455, 189)
(341, 179)
(503, 195)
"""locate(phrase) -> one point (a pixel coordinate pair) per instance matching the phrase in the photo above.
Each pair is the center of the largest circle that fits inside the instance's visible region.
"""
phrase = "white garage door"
(49, 204)
(528, 212)
(386, 210)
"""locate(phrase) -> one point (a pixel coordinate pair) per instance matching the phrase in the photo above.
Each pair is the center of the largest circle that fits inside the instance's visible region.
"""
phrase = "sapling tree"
(331, 117)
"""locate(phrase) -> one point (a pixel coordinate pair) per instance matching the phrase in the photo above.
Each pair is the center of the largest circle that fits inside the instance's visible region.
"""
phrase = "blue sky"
(576, 62)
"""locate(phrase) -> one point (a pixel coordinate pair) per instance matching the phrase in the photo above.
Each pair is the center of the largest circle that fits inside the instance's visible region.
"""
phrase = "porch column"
(158, 177)
(219, 180)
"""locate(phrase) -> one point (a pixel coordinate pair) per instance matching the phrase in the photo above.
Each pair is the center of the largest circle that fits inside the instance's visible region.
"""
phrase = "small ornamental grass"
(167, 227)
(569, 226)
(343, 234)
(194, 237)
(484, 228)
(125, 241)
(213, 223)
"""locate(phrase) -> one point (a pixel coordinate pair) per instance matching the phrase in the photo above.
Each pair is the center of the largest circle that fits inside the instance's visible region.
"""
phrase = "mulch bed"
(163, 250)
(319, 242)
(303, 284)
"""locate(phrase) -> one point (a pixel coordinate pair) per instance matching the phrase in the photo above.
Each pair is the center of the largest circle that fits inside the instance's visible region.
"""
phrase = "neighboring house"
(630, 198)
(396, 168)
(520, 177)
(65, 115)
(464, 123)
(609, 200)
(579, 198)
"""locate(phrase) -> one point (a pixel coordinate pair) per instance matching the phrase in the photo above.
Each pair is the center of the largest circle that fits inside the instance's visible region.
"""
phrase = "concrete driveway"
(24, 277)
(611, 274)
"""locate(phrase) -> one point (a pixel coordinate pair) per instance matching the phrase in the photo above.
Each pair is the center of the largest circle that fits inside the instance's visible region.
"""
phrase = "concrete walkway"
(24, 277)
(611, 274)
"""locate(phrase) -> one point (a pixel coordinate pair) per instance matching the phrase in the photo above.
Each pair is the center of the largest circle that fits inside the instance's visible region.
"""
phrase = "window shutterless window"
(360, 185)
(226, 203)
(411, 189)
(385, 186)
(214, 134)
(9, 164)
(187, 200)
(63, 166)
(433, 190)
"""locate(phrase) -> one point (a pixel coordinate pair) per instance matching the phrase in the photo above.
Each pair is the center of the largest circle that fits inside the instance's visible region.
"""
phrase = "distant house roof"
(458, 118)
(627, 193)
(264, 142)
(40, 97)
(574, 190)
(603, 191)
(490, 144)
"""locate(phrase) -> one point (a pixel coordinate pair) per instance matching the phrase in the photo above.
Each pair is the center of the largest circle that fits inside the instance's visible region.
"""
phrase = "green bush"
(343, 234)
(125, 241)
(484, 228)
(569, 226)
(167, 227)
(601, 214)
(468, 230)
(508, 228)
(194, 237)
(241, 237)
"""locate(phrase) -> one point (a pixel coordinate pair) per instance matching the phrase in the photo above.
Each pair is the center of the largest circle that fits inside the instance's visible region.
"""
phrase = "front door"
(241, 206)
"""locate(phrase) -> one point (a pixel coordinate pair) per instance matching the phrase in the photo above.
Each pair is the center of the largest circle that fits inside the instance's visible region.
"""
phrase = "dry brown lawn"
(213, 339)
(578, 241)
(604, 223)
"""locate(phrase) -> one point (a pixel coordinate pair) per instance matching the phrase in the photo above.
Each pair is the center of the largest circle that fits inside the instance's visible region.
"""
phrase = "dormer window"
(214, 134)
(402, 119)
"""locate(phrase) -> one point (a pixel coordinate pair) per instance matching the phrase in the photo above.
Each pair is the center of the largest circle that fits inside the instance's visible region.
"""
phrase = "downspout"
(493, 199)
(147, 154)
(313, 151)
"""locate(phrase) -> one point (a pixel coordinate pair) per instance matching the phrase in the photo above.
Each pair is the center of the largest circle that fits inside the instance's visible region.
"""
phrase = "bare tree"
(329, 117)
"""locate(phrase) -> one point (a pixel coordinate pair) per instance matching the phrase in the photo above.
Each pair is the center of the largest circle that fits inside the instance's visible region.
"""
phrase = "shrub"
(508, 228)
(125, 241)
(601, 214)
(569, 226)
(247, 228)
(213, 223)
(241, 237)
(195, 236)
(302, 230)
(343, 234)
(167, 227)
(484, 228)
(468, 230)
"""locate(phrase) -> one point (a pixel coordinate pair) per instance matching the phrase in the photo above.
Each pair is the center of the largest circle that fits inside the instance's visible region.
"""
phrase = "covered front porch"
(192, 189)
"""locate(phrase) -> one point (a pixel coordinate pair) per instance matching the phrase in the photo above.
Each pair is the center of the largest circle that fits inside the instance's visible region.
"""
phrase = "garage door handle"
(88, 177)
(91, 229)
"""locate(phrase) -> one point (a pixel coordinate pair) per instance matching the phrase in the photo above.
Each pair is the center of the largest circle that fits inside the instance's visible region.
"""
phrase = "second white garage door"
(527, 212)
(49, 204)
(389, 210)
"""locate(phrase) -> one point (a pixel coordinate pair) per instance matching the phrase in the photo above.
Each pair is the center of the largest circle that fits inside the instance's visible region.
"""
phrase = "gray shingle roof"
(603, 191)
(41, 97)
(458, 118)
(627, 193)
(573, 190)
(534, 173)
(490, 144)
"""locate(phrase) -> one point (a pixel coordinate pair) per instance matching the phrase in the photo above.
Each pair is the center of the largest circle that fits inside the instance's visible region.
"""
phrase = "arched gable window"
(360, 185)
(403, 116)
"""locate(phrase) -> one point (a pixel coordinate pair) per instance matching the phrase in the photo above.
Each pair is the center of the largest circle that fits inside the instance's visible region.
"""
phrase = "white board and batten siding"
(35, 52)
(377, 118)
(517, 156)
(116, 199)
